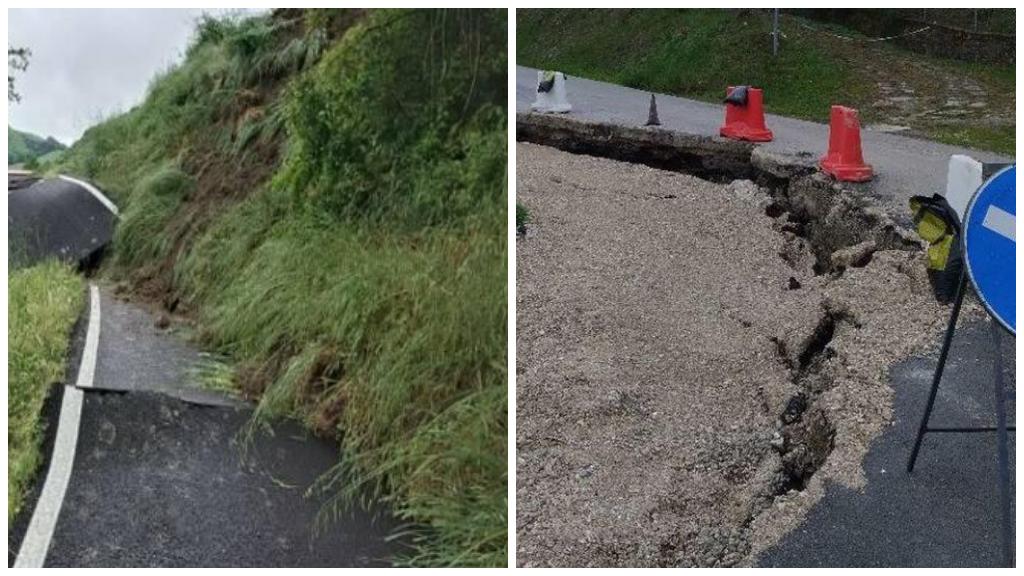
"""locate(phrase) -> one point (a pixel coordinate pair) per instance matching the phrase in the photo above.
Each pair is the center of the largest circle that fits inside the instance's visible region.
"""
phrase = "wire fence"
(892, 21)
(982, 20)
(970, 34)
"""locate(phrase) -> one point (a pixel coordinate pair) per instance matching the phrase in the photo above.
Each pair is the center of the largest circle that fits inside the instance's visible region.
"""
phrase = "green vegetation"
(324, 191)
(522, 218)
(156, 198)
(215, 373)
(23, 147)
(698, 53)
(43, 303)
(977, 136)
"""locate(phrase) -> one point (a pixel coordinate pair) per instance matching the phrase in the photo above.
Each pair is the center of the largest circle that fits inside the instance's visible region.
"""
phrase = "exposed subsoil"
(696, 358)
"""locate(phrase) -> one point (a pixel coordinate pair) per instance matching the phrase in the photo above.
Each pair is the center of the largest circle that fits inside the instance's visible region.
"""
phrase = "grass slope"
(43, 303)
(697, 53)
(324, 192)
(24, 147)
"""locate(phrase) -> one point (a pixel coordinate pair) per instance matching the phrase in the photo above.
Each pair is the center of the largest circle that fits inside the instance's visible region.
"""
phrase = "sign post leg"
(1002, 444)
(946, 342)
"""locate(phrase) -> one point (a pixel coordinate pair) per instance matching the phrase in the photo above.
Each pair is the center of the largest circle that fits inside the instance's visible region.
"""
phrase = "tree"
(17, 59)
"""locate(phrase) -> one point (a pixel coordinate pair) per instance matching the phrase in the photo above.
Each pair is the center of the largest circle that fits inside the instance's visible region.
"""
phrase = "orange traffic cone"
(844, 160)
(744, 115)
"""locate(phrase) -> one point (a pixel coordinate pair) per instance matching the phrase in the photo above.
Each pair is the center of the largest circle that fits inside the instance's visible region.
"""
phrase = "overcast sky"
(88, 64)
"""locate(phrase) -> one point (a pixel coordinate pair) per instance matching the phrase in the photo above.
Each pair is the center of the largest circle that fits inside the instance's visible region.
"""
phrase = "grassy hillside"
(697, 53)
(23, 147)
(43, 303)
(324, 192)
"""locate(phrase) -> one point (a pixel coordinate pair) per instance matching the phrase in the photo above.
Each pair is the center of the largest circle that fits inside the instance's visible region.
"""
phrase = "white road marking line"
(95, 192)
(1001, 222)
(87, 368)
(44, 518)
(37, 539)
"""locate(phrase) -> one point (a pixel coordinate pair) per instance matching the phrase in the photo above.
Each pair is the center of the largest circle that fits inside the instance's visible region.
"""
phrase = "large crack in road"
(696, 359)
(169, 474)
(147, 467)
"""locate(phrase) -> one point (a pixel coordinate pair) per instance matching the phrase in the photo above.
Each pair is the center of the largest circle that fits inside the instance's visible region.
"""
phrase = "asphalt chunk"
(56, 219)
(140, 350)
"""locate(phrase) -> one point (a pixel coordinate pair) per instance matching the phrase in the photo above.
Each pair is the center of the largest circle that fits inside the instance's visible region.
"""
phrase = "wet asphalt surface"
(140, 356)
(54, 218)
(160, 482)
(166, 472)
(946, 514)
(903, 166)
(168, 475)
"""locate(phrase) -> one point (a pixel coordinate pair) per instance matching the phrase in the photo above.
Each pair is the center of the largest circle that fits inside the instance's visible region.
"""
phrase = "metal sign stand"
(1001, 428)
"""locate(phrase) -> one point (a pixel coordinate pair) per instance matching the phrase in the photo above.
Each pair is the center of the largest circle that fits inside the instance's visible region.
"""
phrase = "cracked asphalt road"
(169, 474)
(947, 512)
(944, 515)
(658, 350)
(166, 472)
(54, 218)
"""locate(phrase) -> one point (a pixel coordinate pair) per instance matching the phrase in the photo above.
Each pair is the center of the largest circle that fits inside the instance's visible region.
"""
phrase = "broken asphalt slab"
(166, 474)
(55, 218)
(135, 355)
(685, 390)
(904, 166)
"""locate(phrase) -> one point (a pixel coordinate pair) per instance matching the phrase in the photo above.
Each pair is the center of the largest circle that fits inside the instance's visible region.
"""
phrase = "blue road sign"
(990, 245)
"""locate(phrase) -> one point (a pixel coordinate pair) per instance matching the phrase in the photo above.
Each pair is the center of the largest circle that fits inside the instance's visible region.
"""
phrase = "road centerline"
(87, 368)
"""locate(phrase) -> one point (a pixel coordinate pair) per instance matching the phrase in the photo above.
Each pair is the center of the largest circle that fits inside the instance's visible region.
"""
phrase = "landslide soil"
(686, 381)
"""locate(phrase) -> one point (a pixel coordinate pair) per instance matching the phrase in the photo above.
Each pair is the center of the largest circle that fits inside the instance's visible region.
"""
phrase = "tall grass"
(43, 303)
(141, 236)
(377, 264)
(362, 289)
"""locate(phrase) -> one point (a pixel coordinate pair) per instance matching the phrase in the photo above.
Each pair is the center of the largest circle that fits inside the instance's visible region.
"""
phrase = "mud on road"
(695, 359)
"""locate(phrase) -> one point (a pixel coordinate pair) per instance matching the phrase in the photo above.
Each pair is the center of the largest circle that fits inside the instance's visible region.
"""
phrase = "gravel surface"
(686, 383)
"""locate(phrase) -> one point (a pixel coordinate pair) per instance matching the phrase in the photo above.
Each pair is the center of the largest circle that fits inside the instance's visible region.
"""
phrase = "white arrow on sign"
(1001, 222)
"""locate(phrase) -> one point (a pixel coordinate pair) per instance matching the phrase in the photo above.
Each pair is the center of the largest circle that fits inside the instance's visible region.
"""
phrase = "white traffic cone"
(551, 96)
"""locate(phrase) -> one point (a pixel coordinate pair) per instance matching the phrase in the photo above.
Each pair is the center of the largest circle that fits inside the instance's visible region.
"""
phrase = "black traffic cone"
(652, 115)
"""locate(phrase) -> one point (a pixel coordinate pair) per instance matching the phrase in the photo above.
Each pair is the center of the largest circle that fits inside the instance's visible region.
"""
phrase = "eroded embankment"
(817, 214)
(739, 333)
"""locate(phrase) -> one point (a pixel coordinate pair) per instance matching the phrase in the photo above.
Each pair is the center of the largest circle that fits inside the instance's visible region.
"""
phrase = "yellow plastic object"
(938, 253)
(937, 232)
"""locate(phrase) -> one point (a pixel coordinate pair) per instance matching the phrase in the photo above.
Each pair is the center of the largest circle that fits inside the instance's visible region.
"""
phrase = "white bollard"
(964, 177)
(554, 99)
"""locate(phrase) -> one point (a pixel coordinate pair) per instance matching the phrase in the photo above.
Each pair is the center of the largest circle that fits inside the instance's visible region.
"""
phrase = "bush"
(387, 127)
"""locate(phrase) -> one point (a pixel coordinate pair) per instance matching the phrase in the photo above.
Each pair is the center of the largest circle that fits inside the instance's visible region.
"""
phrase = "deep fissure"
(807, 434)
(806, 205)
(836, 226)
